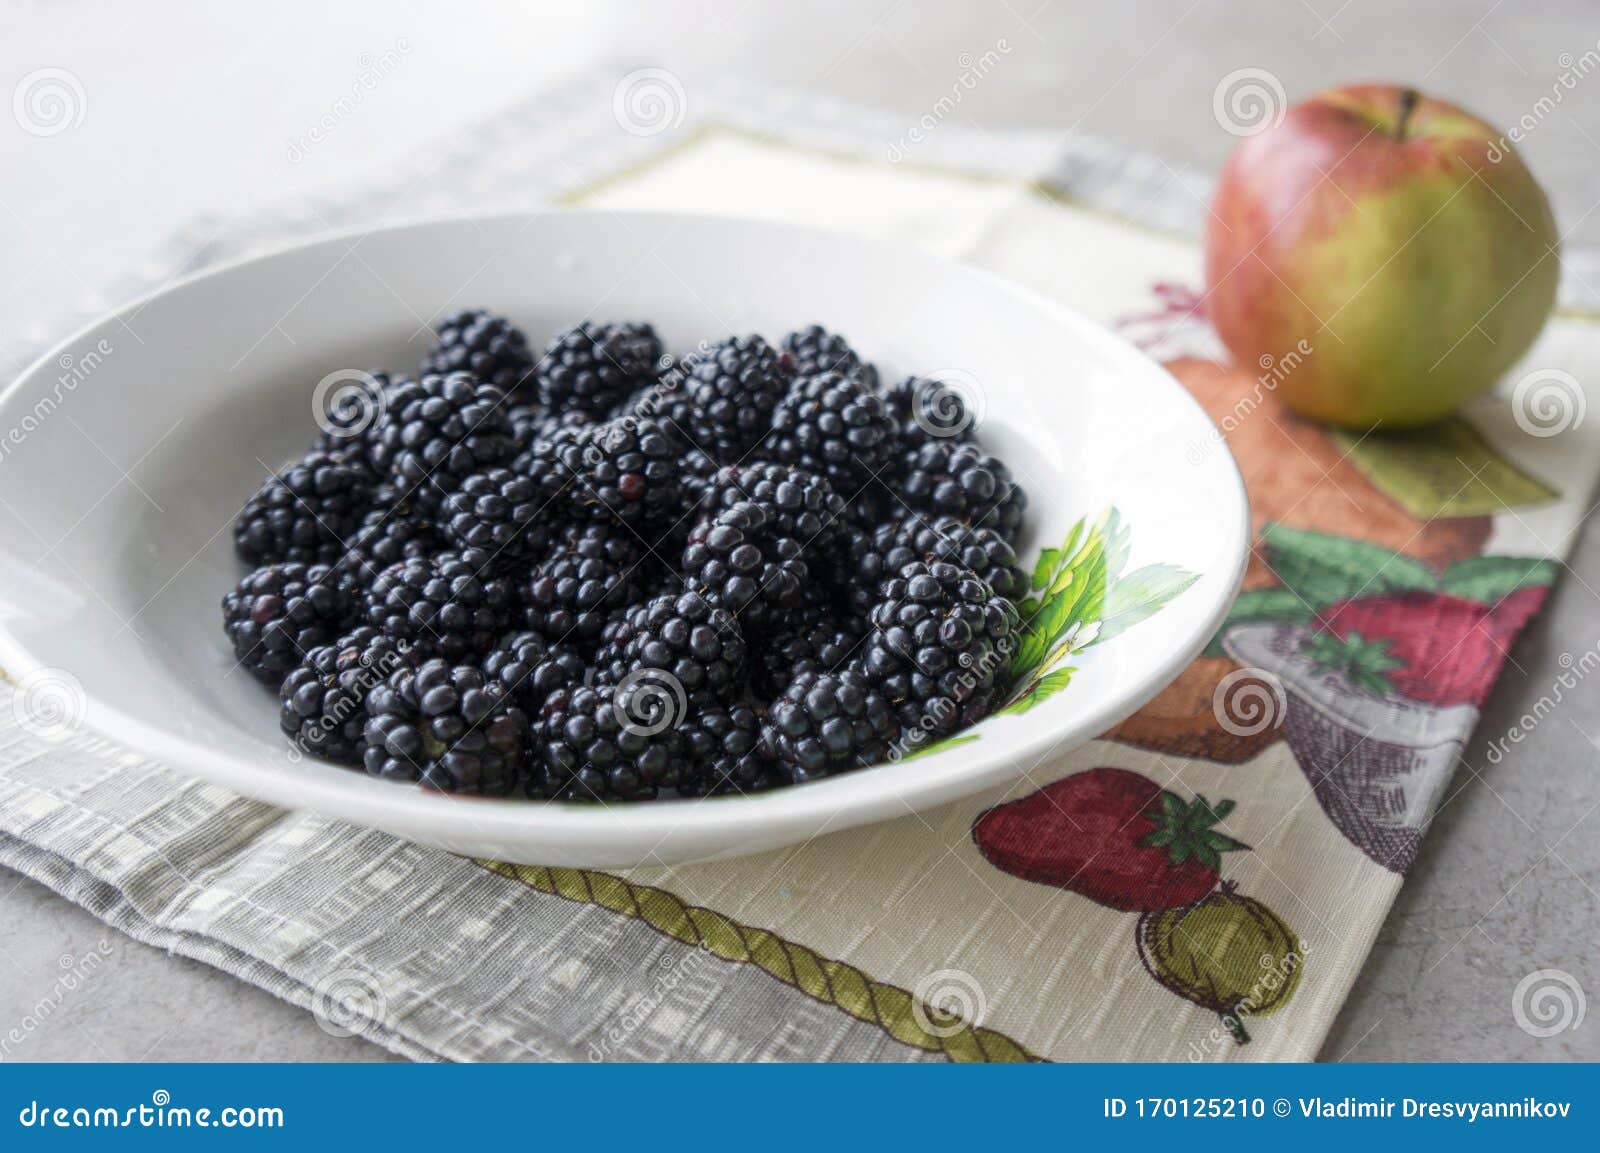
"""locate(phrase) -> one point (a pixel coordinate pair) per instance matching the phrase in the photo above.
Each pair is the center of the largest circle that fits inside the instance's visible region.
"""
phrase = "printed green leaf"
(1262, 606)
(940, 746)
(1118, 543)
(1489, 578)
(1075, 598)
(1045, 569)
(1139, 596)
(1039, 691)
(1324, 569)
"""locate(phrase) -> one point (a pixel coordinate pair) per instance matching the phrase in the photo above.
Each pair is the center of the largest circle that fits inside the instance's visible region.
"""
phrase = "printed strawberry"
(1431, 647)
(1114, 836)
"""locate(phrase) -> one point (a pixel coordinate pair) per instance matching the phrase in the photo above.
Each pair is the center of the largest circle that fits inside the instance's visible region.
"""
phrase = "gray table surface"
(193, 114)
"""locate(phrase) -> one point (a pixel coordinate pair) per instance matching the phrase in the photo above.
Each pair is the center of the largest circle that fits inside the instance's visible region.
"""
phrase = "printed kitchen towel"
(1202, 883)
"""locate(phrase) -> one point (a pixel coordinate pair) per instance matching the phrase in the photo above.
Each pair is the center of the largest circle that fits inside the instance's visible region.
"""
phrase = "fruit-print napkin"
(1203, 883)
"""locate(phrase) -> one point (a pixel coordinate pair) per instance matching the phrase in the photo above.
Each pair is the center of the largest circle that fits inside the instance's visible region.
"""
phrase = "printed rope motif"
(889, 1007)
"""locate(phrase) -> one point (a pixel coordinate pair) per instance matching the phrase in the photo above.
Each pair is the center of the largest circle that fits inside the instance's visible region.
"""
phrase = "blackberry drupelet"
(913, 537)
(529, 669)
(390, 532)
(304, 513)
(814, 639)
(941, 645)
(682, 635)
(624, 470)
(722, 752)
(696, 471)
(505, 513)
(814, 350)
(926, 409)
(490, 347)
(604, 743)
(279, 612)
(802, 505)
(835, 426)
(739, 563)
(437, 431)
(732, 390)
(826, 723)
(591, 368)
(449, 605)
(590, 572)
(324, 698)
(964, 482)
(448, 727)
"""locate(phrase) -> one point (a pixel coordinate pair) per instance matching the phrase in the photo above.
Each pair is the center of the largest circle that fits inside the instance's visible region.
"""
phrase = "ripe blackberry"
(722, 752)
(679, 634)
(836, 426)
(813, 640)
(739, 563)
(390, 532)
(303, 513)
(827, 723)
(529, 669)
(802, 505)
(324, 698)
(604, 743)
(930, 409)
(449, 605)
(814, 350)
(883, 553)
(447, 727)
(279, 612)
(732, 390)
(505, 513)
(437, 431)
(589, 572)
(696, 471)
(940, 646)
(527, 423)
(624, 470)
(591, 367)
(488, 346)
(963, 481)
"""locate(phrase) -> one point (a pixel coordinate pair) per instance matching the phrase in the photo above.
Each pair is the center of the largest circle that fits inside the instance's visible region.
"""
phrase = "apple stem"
(1408, 105)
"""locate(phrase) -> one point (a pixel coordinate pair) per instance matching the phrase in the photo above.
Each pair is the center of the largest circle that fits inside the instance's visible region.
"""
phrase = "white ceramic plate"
(126, 451)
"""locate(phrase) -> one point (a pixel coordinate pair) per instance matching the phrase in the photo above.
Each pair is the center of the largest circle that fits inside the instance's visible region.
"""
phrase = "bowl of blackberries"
(623, 585)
